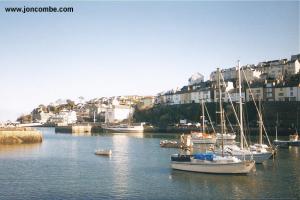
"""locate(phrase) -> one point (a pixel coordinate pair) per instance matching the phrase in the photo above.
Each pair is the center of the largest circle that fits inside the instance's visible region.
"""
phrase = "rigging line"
(259, 114)
(234, 111)
(246, 118)
(212, 126)
(229, 122)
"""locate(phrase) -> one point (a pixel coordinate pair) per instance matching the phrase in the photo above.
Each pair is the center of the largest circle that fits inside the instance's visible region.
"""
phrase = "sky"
(132, 47)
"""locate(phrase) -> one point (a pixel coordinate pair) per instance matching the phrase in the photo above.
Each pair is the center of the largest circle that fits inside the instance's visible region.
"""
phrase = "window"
(269, 95)
(291, 94)
(280, 94)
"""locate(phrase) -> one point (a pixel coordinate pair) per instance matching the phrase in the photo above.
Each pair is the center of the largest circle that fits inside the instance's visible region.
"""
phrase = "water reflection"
(18, 149)
(120, 163)
(135, 135)
(211, 184)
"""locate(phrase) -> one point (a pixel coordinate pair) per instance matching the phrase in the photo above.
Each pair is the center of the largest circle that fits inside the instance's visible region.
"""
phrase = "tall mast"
(203, 117)
(241, 107)
(297, 124)
(260, 123)
(130, 113)
(221, 111)
(276, 125)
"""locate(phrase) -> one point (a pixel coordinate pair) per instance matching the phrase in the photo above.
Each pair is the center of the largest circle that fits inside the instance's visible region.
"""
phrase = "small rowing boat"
(103, 152)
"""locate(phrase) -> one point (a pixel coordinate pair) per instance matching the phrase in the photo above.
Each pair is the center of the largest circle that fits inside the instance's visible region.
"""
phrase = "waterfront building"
(225, 87)
(176, 98)
(63, 118)
(249, 71)
(197, 95)
(280, 69)
(117, 113)
(234, 95)
(146, 102)
(196, 78)
(274, 91)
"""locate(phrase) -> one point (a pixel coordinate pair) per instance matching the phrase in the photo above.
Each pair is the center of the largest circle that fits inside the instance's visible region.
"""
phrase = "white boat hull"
(257, 157)
(138, 129)
(243, 167)
(101, 152)
(226, 137)
(246, 154)
(204, 141)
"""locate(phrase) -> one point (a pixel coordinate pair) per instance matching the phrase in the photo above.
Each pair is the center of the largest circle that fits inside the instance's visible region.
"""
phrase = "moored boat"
(103, 152)
(202, 138)
(259, 156)
(125, 128)
(169, 144)
(210, 163)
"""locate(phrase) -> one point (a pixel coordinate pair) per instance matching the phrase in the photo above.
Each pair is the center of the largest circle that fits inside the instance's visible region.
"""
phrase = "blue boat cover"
(204, 156)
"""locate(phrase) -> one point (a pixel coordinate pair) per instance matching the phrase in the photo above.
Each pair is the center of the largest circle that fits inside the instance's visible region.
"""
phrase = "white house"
(248, 72)
(196, 78)
(64, 118)
(117, 113)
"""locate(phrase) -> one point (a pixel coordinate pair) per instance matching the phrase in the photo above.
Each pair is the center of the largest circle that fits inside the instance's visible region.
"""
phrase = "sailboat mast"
(297, 124)
(241, 107)
(276, 125)
(260, 124)
(221, 111)
(203, 117)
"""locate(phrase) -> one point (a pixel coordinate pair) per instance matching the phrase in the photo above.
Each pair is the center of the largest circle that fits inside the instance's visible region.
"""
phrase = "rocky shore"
(16, 135)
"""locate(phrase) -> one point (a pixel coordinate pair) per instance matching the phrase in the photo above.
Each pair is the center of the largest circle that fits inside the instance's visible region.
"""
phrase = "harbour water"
(64, 167)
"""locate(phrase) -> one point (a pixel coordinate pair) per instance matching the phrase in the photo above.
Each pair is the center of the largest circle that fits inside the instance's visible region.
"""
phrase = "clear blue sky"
(124, 48)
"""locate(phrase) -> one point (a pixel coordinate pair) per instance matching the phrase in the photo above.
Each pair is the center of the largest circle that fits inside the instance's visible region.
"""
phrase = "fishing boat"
(103, 152)
(210, 162)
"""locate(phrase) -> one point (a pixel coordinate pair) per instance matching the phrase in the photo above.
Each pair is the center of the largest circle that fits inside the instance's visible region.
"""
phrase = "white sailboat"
(218, 164)
(258, 152)
(202, 137)
(211, 163)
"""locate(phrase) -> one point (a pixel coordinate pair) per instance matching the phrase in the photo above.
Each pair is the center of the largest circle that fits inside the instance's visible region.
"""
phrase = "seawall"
(20, 136)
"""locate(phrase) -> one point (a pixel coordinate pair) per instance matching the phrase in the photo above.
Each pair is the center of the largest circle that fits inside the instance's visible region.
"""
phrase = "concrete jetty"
(74, 129)
(20, 135)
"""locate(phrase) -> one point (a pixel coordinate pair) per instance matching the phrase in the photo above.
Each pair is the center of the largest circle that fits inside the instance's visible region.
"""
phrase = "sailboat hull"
(243, 167)
(259, 158)
(245, 154)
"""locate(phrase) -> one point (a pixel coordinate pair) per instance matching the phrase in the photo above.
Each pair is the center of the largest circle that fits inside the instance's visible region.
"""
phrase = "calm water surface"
(64, 167)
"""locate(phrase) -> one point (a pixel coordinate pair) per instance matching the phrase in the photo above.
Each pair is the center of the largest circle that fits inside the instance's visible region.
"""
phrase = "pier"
(74, 129)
